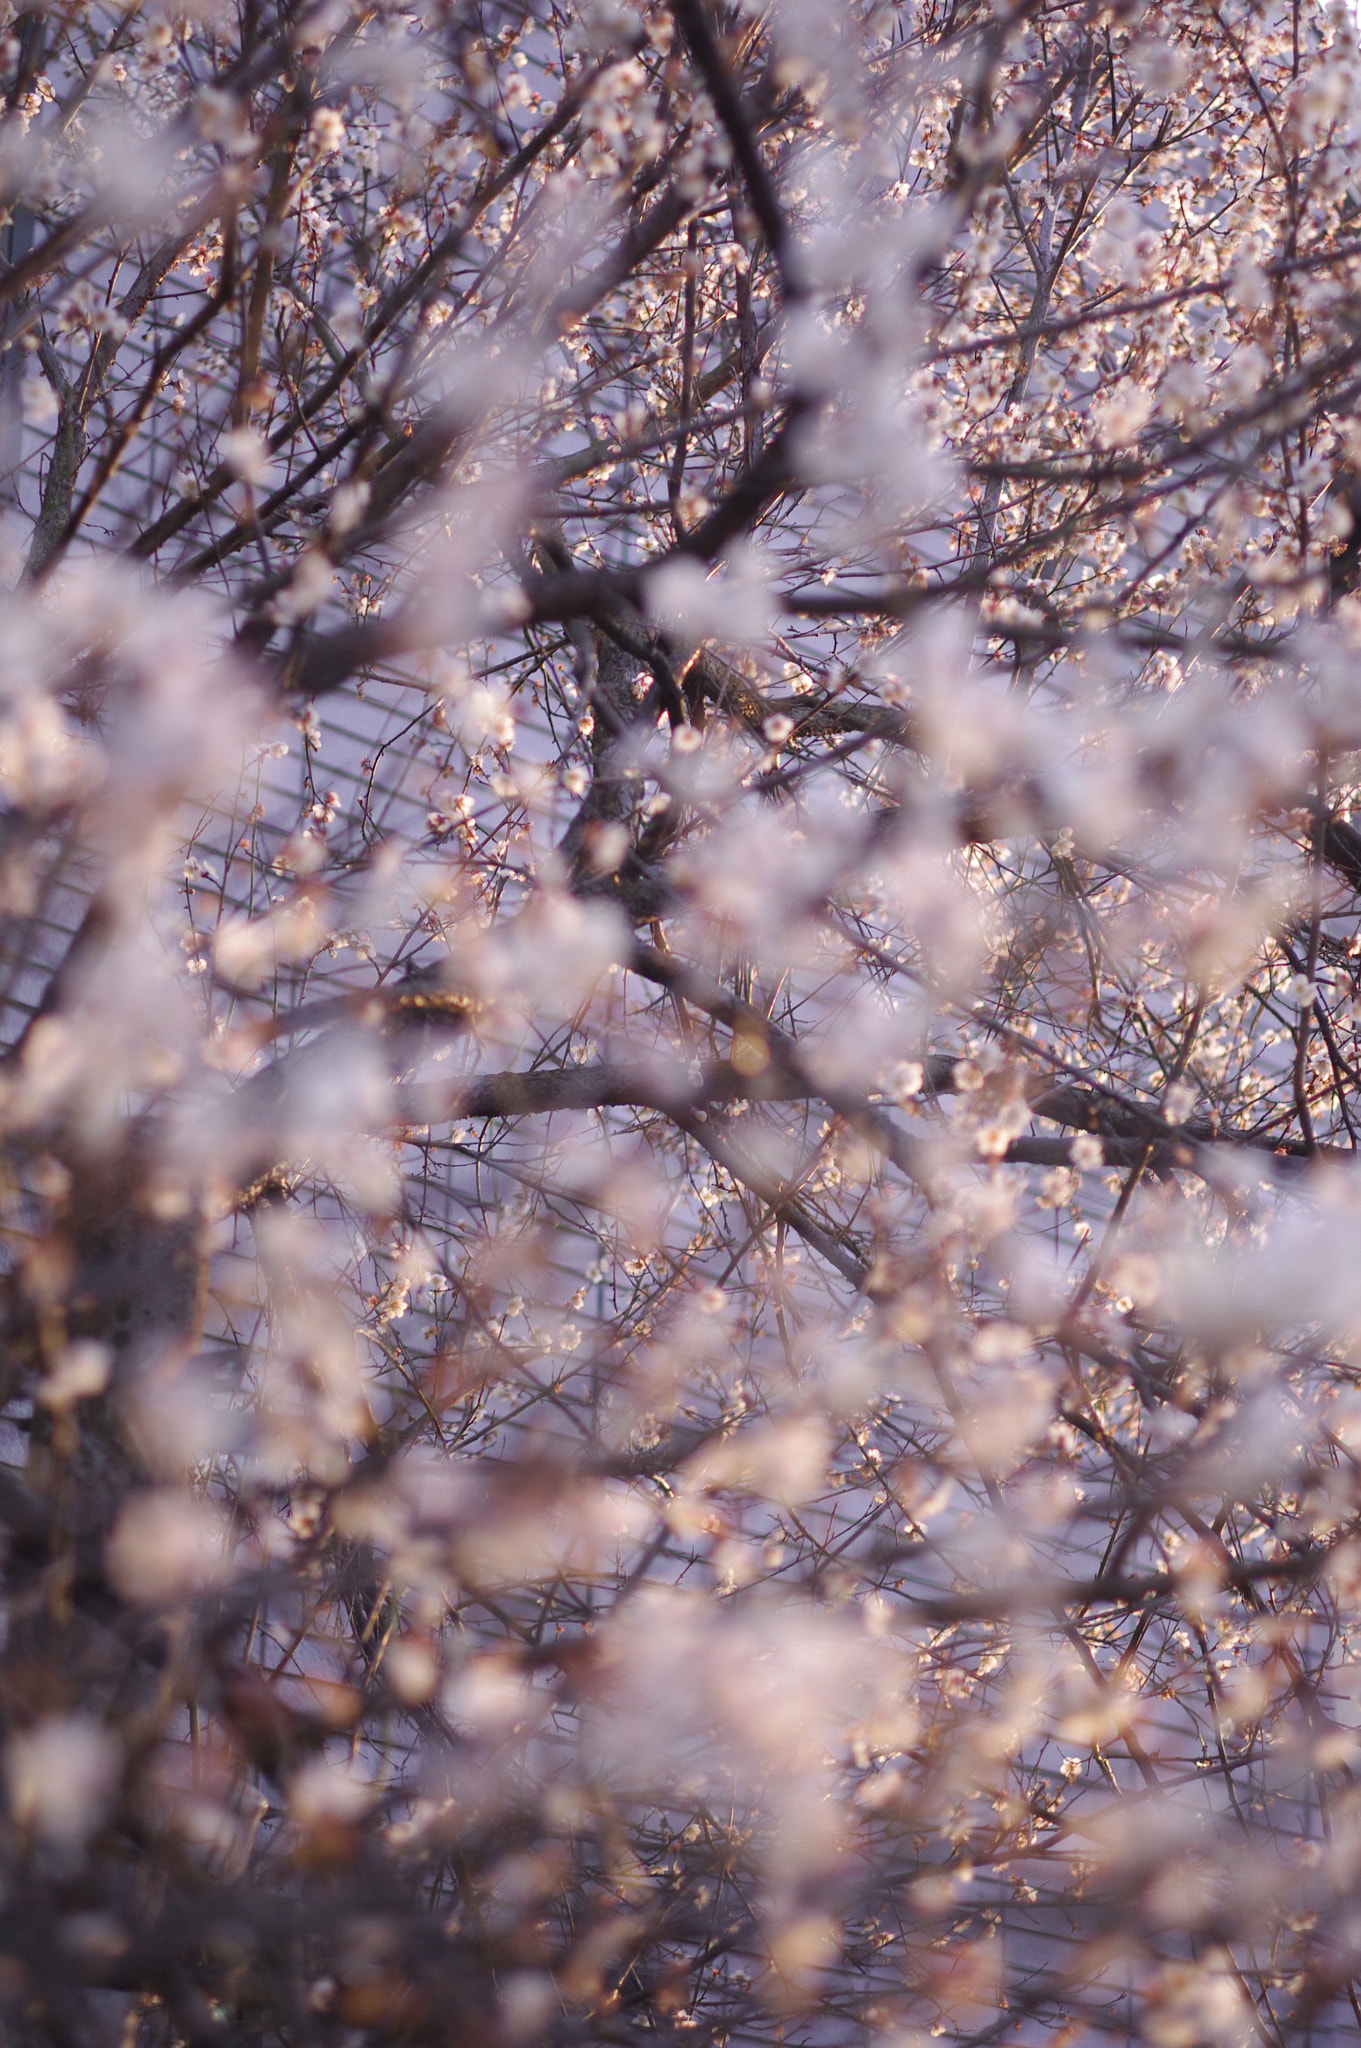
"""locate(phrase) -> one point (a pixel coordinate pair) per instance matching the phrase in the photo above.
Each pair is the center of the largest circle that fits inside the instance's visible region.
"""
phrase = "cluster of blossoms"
(680, 1022)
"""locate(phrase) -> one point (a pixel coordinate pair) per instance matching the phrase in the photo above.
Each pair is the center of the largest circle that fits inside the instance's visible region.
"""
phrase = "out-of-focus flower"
(81, 1373)
(411, 1669)
(324, 1792)
(326, 132)
(246, 455)
(61, 1775)
(166, 1547)
(1120, 416)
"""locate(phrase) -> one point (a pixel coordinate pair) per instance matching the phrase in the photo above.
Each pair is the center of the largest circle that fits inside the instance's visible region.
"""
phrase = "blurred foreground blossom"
(61, 1776)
